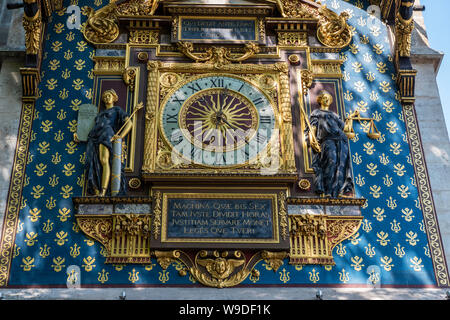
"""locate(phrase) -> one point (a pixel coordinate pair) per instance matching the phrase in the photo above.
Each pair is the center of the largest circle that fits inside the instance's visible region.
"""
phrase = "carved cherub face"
(220, 265)
(325, 100)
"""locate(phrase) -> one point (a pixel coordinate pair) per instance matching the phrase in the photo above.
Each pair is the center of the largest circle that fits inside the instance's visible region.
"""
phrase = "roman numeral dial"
(218, 121)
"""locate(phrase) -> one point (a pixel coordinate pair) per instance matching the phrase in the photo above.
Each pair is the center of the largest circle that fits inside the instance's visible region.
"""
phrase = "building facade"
(201, 204)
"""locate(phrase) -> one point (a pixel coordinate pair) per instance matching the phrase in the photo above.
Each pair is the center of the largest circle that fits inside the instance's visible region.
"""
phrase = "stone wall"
(10, 106)
(432, 126)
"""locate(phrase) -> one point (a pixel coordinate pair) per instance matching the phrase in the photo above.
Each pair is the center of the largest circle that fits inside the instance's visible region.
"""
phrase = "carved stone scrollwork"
(102, 25)
(98, 228)
(217, 56)
(333, 29)
(33, 29)
(274, 259)
(403, 30)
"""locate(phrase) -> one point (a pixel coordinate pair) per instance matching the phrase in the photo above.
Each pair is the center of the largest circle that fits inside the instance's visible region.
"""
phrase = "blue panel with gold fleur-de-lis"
(391, 247)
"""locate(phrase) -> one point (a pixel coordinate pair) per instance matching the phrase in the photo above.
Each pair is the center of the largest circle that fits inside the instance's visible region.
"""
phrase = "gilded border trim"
(425, 197)
(15, 191)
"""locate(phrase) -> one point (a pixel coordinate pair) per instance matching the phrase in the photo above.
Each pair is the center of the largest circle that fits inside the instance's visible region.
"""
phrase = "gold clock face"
(218, 121)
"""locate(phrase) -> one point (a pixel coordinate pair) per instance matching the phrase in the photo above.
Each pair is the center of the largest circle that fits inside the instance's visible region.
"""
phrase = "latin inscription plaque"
(219, 220)
(218, 29)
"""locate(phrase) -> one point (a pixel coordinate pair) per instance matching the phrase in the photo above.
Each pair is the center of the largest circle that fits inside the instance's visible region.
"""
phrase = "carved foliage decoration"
(33, 28)
(217, 56)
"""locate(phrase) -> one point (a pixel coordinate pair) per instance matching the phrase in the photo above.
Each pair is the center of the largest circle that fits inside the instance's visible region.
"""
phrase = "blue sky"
(437, 23)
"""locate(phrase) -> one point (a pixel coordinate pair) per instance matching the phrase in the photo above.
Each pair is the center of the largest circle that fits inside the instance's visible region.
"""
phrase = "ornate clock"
(218, 121)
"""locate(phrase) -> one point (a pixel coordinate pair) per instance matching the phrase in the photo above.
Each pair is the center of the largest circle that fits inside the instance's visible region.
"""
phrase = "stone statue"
(330, 151)
(110, 127)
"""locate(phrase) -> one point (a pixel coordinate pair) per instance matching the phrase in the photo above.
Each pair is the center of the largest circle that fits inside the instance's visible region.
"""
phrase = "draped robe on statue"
(332, 167)
(107, 123)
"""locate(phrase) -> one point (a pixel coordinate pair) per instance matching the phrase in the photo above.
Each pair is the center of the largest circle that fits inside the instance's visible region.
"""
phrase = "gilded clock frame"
(279, 94)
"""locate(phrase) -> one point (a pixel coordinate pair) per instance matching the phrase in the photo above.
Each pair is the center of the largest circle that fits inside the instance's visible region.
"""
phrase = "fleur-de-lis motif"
(34, 214)
(387, 180)
(75, 250)
(38, 191)
(64, 214)
(68, 54)
(163, 276)
(366, 225)
(399, 250)
(381, 67)
(340, 250)
(43, 147)
(375, 191)
(359, 180)
(378, 48)
(47, 226)
(31, 238)
(88, 263)
(44, 251)
(370, 251)
(403, 191)
(69, 169)
(399, 169)
(369, 148)
(384, 159)
(373, 96)
(56, 158)
(77, 84)
(416, 264)
(66, 191)
(391, 203)
(61, 114)
(383, 238)
(61, 238)
(370, 76)
(379, 214)
(407, 214)
(357, 263)
(344, 276)
(372, 169)
(411, 238)
(395, 226)
(53, 180)
(50, 203)
(103, 276)
(58, 264)
(63, 94)
(27, 263)
(392, 127)
(314, 276)
(71, 147)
